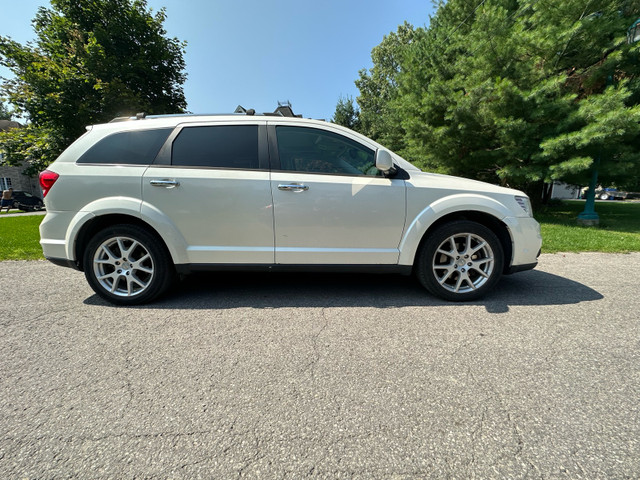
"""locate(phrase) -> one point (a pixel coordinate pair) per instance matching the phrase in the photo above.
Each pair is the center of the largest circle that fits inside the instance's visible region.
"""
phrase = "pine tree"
(347, 114)
(516, 92)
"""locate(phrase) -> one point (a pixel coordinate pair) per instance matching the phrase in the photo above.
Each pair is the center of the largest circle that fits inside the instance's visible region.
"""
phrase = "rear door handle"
(293, 187)
(165, 182)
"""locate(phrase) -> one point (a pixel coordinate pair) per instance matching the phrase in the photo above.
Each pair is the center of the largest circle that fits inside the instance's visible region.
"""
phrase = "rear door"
(211, 181)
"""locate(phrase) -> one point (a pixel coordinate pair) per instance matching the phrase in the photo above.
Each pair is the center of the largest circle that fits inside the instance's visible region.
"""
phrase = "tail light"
(47, 179)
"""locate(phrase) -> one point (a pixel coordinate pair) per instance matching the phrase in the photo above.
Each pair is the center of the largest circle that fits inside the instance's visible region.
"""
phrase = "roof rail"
(138, 116)
(283, 110)
(121, 119)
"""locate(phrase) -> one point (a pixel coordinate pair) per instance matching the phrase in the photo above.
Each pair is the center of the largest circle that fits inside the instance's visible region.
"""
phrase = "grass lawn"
(619, 231)
(20, 238)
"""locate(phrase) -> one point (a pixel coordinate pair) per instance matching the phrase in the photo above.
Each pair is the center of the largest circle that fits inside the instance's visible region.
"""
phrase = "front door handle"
(293, 187)
(165, 182)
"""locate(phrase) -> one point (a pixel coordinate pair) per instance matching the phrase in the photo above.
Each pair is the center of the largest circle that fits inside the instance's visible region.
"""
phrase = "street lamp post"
(589, 215)
(633, 34)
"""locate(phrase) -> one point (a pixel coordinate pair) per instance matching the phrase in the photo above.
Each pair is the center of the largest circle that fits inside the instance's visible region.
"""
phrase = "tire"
(604, 196)
(127, 265)
(460, 261)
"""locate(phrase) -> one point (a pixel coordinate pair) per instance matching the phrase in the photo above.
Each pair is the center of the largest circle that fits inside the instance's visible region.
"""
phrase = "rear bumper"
(63, 262)
(53, 230)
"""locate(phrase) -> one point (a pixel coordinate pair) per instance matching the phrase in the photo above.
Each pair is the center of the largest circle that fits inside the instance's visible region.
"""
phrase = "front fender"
(463, 202)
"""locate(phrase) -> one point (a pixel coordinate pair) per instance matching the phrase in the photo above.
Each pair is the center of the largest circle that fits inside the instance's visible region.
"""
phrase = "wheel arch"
(477, 208)
(97, 223)
(491, 222)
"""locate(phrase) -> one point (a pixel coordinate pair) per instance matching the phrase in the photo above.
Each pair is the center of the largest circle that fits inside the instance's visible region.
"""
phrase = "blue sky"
(256, 52)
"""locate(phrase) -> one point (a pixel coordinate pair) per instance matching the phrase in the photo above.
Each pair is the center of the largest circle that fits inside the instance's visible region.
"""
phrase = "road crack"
(313, 364)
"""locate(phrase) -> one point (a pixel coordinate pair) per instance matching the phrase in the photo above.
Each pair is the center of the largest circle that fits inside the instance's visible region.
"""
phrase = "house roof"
(8, 124)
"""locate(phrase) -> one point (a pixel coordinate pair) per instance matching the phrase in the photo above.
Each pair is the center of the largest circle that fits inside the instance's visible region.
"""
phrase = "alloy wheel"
(123, 266)
(463, 262)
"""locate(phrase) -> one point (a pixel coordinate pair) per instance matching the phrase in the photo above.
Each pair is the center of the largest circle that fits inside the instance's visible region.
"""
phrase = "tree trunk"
(547, 189)
(535, 191)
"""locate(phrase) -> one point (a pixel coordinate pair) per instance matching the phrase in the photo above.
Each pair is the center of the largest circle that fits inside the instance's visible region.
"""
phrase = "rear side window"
(224, 146)
(138, 147)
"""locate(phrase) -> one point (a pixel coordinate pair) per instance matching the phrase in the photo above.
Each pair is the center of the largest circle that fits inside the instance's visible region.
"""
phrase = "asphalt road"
(303, 376)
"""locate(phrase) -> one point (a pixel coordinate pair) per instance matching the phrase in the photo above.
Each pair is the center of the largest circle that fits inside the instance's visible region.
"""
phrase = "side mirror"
(384, 162)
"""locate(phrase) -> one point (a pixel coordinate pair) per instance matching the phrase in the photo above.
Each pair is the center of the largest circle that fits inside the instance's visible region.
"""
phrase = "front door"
(331, 205)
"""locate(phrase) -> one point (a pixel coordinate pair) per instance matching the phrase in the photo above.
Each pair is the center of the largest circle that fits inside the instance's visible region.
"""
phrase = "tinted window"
(227, 146)
(138, 147)
(317, 151)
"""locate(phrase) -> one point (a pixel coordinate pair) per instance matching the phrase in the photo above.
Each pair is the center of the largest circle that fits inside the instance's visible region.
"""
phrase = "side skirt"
(185, 269)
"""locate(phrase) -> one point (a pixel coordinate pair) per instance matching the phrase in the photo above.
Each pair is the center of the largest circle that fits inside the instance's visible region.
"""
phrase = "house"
(564, 191)
(12, 177)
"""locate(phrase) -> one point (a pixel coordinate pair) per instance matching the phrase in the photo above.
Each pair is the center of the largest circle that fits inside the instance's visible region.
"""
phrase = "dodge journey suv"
(135, 203)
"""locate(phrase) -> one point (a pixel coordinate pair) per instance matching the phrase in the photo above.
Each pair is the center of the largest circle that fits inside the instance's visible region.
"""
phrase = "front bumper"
(527, 242)
(521, 268)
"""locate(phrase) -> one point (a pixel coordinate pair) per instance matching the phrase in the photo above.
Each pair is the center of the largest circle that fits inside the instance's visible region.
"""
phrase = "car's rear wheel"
(460, 261)
(127, 265)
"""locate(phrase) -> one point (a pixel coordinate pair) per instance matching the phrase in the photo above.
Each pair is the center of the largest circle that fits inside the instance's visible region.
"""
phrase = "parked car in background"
(615, 194)
(610, 194)
(26, 201)
(134, 203)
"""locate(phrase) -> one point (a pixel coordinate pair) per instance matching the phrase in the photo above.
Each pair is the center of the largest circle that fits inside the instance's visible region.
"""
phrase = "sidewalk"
(17, 213)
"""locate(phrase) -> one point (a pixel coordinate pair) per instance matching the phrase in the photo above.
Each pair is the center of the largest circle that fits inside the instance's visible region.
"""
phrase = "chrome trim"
(165, 183)
(293, 187)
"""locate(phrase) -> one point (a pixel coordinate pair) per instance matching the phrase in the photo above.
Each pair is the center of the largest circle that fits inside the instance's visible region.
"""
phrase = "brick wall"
(20, 181)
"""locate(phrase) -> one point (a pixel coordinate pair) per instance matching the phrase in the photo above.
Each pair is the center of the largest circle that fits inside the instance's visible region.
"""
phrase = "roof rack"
(284, 110)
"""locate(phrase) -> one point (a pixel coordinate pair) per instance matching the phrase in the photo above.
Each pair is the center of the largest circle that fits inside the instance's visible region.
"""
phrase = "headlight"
(525, 203)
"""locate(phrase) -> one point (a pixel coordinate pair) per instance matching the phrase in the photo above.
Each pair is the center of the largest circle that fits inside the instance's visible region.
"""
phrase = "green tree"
(5, 114)
(378, 87)
(93, 60)
(515, 91)
(347, 114)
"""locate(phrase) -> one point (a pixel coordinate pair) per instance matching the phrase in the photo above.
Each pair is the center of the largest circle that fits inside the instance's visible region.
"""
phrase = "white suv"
(134, 203)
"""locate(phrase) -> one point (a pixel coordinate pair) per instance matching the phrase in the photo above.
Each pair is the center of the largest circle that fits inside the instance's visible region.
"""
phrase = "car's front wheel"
(460, 261)
(127, 265)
